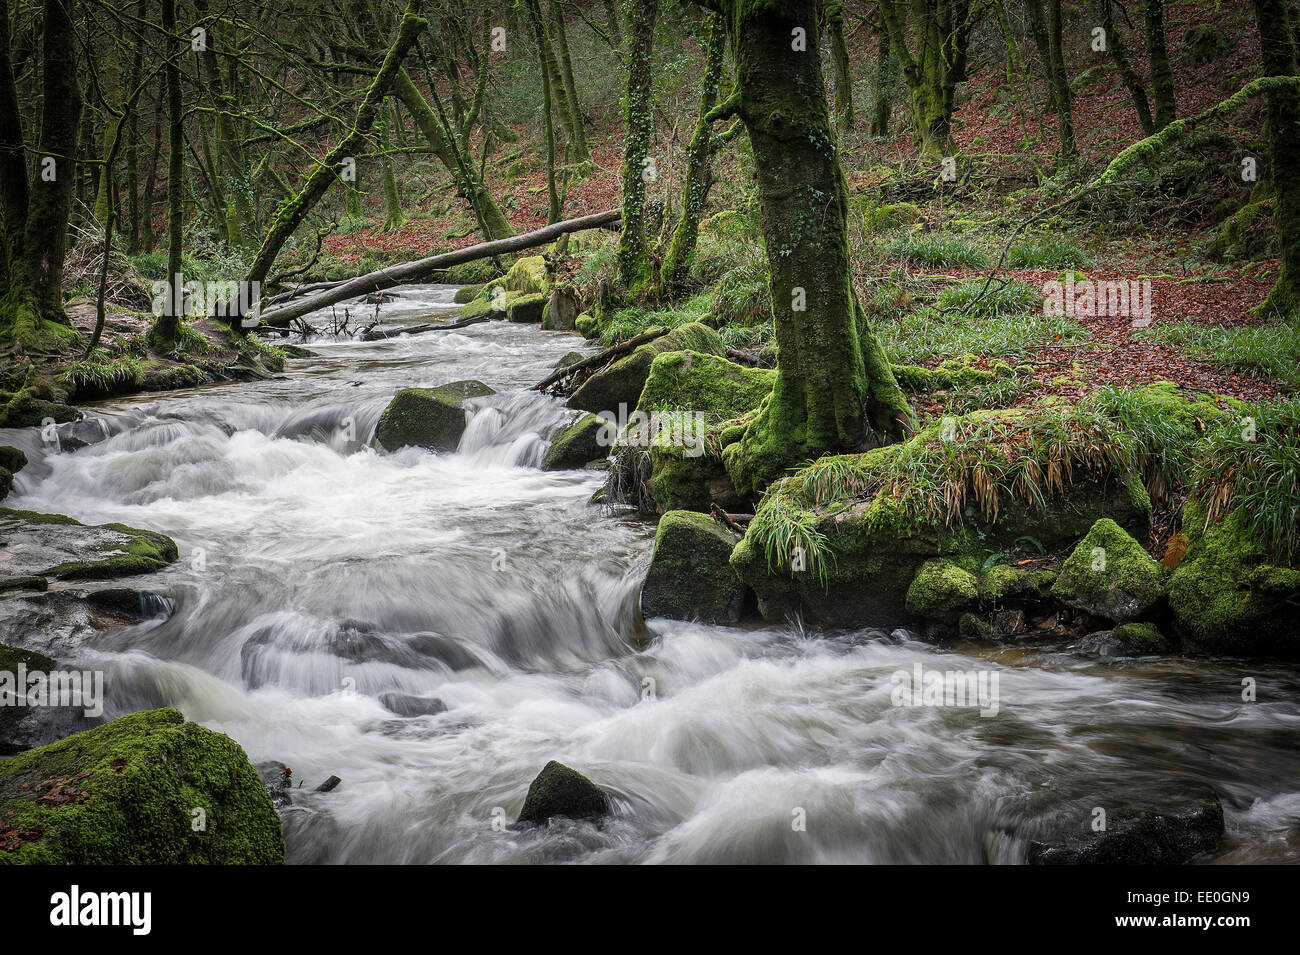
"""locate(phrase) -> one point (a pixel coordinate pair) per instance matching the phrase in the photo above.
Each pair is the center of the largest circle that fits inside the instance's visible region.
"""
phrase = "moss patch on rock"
(54, 545)
(430, 418)
(709, 384)
(940, 589)
(526, 308)
(690, 577)
(126, 793)
(621, 383)
(576, 445)
(528, 276)
(1110, 575)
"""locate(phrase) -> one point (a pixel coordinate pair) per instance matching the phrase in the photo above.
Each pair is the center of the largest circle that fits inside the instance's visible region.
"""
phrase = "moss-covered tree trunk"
(1162, 75)
(549, 94)
(634, 262)
(695, 186)
(932, 73)
(167, 328)
(570, 117)
(1278, 51)
(1119, 53)
(31, 304)
(834, 389)
(844, 120)
(229, 166)
(1046, 23)
(326, 172)
(882, 83)
(574, 107)
(111, 88)
(495, 224)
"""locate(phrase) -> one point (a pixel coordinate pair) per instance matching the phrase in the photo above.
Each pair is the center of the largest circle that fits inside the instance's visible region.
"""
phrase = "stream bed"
(318, 575)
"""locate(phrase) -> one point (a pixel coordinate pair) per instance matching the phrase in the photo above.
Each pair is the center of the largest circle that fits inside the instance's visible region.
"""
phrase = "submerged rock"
(561, 791)
(621, 382)
(576, 445)
(148, 788)
(430, 418)
(52, 545)
(690, 577)
(1172, 834)
(1110, 575)
(404, 704)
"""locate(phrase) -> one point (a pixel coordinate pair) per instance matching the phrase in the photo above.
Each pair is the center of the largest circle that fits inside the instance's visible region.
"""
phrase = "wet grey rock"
(561, 791)
(329, 785)
(404, 704)
(1173, 833)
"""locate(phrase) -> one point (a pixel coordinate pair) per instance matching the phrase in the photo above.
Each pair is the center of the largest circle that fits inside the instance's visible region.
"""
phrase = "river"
(317, 574)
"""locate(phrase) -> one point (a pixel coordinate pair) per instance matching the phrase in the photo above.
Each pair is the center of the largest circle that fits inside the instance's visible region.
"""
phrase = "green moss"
(528, 276)
(1141, 638)
(1226, 595)
(621, 383)
(690, 576)
(467, 293)
(526, 307)
(1002, 581)
(939, 588)
(587, 325)
(709, 384)
(125, 793)
(143, 552)
(1110, 575)
(576, 445)
(430, 418)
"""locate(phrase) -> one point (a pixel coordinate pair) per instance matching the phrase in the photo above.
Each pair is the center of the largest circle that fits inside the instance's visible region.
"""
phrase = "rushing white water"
(317, 574)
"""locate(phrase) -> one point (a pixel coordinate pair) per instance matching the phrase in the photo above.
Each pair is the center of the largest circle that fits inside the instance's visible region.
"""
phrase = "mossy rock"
(1227, 595)
(1109, 574)
(690, 577)
(528, 276)
(561, 791)
(12, 459)
(467, 293)
(569, 358)
(915, 378)
(526, 308)
(13, 711)
(679, 481)
(430, 418)
(587, 325)
(940, 590)
(621, 383)
(709, 384)
(577, 444)
(1141, 638)
(126, 793)
(57, 546)
(22, 409)
(1002, 582)
(872, 545)
(492, 302)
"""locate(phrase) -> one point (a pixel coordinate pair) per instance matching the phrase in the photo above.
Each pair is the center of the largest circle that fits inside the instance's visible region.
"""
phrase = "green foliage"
(781, 528)
(628, 322)
(937, 250)
(1046, 254)
(1272, 349)
(102, 371)
(1250, 467)
(927, 333)
(1001, 298)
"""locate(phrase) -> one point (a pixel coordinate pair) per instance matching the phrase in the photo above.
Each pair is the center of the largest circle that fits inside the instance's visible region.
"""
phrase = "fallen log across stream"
(394, 275)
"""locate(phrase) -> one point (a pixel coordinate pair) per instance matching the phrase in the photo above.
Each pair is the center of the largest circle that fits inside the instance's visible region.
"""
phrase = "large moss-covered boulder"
(867, 523)
(56, 546)
(430, 418)
(526, 308)
(1228, 595)
(941, 589)
(528, 276)
(1110, 575)
(580, 443)
(690, 577)
(149, 788)
(621, 383)
(708, 384)
(561, 791)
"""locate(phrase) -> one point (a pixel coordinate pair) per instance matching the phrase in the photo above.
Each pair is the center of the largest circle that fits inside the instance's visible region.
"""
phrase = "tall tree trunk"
(324, 174)
(881, 88)
(1061, 80)
(638, 165)
(695, 186)
(167, 328)
(1283, 128)
(611, 17)
(229, 166)
(31, 311)
(1119, 53)
(110, 81)
(1162, 76)
(147, 238)
(933, 72)
(574, 107)
(834, 389)
(533, 8)
(495, 225)
(844, 120)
